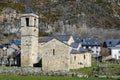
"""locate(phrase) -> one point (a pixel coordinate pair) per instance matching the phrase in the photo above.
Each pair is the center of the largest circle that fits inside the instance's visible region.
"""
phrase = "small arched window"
(84, 56)
(53, 51)
(27, 21)
(74, 58)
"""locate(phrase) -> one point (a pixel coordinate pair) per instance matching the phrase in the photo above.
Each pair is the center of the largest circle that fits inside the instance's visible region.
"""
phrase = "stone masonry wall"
(37, 71)
(80, 60)
(32, 71)
(56, 56)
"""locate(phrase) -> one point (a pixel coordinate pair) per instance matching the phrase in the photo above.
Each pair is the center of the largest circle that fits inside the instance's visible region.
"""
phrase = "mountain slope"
(99, 13)
(99, 17)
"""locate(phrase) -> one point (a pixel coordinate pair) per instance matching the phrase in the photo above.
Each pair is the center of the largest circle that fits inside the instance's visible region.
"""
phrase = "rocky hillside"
(76, 17)
(99, 13)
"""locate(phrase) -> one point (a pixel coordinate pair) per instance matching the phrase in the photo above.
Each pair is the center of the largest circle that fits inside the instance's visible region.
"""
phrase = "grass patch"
(114, 65)
(86, 71)
(18, 77)
(97, 66)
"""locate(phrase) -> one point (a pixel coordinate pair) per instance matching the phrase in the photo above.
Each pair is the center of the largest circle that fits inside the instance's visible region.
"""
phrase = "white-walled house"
(113, 45)
(91, 45)
(95, 50)
(115, 52)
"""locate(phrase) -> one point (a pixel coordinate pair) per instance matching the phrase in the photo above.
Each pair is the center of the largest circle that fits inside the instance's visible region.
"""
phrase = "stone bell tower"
(29, 38)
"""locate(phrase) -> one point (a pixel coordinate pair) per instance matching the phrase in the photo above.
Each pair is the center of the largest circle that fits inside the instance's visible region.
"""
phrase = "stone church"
(53, 53)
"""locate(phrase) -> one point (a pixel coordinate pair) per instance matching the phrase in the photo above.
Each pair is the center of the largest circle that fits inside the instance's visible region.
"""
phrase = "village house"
(80, 59)
(91, 45)
(10, 53)
(111, 43)
(3, 52)
(113, 47)
(115, 52)
(57, 52)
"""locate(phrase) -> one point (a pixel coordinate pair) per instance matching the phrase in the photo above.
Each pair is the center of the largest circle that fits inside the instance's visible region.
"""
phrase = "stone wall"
(80, 60)
(37, 71)
(32, 71)
(56, 56)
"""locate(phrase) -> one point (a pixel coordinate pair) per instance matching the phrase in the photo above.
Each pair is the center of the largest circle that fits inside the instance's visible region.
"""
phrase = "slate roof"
(111, 42)
(58, 37)
(117, 47)
(73, 51)
(78, 40)
(4, 45)
(75, 45)
(16, 42)
(87, 42)
(45, 39)
(29, 10)
(62, 37)
(81, 50)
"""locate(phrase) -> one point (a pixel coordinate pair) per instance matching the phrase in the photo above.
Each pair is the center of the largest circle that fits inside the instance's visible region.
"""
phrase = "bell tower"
(29, 38)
